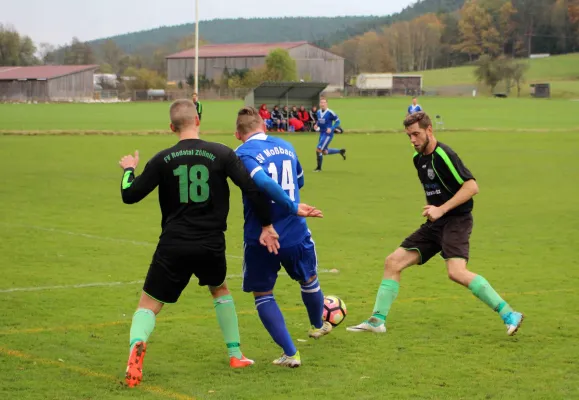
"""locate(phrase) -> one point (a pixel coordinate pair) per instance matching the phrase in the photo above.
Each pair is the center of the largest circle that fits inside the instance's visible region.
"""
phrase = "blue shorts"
(260, 267)
(325, 140)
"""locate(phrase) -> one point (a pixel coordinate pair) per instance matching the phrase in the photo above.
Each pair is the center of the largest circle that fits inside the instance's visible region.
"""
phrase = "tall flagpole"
(196, 46)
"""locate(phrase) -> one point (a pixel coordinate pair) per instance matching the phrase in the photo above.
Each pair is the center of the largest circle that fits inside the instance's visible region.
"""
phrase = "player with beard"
(449, 187)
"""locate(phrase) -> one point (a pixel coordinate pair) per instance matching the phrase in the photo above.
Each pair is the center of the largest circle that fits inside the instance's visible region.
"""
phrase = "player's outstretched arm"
(267, 185)
(238, 174)
(136, 188)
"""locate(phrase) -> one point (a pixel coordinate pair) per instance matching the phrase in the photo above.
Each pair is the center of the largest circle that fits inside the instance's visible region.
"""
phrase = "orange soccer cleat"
(240, 363)
(134, 373)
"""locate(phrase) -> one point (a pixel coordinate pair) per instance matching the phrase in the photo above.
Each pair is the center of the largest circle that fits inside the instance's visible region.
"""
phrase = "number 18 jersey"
(279, 160)
(193, 189)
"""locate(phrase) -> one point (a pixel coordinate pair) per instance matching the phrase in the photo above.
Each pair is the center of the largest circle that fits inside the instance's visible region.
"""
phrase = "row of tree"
(492, 27)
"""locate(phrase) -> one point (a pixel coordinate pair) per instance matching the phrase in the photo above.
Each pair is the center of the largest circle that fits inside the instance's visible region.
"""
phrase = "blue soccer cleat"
(513, 321)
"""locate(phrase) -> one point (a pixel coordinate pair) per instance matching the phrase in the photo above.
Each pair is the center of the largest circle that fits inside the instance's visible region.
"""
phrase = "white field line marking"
(89, 236)
(105, 284)
(95, 284)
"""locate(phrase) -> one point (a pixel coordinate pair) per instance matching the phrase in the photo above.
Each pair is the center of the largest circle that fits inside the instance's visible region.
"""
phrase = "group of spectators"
(294, 120)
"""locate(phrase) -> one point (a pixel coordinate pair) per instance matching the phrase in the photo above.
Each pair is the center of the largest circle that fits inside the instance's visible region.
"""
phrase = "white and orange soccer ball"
(334, 310)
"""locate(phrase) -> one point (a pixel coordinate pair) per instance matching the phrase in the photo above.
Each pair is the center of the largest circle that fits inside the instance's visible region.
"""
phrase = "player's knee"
(218, 291)
(149, 303)
(455, 276)
(459, 274)
(325, 152)
(318, 150)
(313, 278)
(394, 263)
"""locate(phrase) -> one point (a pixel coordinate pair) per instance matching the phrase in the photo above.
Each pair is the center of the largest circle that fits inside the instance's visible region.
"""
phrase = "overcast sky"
(57, 21)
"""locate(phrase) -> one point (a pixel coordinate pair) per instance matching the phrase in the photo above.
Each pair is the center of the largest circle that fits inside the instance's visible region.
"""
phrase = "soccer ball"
(334, 310)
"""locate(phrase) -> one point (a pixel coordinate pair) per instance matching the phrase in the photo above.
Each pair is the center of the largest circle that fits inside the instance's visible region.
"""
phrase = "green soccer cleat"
(287, 361)
(318, 333)
(372, 324)
(513, 321)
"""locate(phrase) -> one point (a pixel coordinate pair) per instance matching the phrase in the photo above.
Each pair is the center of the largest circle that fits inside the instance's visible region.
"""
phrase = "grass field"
(63, 228)
(357, 115)
(560, 71)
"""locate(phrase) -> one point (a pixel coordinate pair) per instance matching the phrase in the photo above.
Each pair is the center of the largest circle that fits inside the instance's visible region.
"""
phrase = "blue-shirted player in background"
(328, 121)
(414, 107)
(272, 159)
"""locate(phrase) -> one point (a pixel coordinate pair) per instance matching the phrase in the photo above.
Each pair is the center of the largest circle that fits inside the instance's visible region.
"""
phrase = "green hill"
(413, 11)
(324, 31)
(256, 30)
(560, 71)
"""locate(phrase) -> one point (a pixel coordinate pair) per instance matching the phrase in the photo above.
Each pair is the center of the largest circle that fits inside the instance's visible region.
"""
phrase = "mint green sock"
(227, 318)
(386, 295)
(142, 326)
(485, 292)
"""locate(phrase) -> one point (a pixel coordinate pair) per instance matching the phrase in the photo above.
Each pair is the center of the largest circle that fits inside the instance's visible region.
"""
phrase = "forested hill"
(256, 30)
(411, 12)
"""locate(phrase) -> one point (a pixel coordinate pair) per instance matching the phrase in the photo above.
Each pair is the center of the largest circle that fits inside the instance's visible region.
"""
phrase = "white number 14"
(287, 177)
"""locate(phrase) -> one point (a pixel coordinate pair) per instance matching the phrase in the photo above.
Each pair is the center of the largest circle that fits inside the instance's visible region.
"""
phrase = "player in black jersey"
(194, 200)
(449, 188)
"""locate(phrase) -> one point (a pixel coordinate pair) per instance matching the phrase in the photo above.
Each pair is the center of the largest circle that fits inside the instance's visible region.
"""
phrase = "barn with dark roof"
(47, 83)
(313, 63)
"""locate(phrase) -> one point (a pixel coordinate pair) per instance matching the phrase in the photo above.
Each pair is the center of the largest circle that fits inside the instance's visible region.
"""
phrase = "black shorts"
(449, 235)
(174, 264)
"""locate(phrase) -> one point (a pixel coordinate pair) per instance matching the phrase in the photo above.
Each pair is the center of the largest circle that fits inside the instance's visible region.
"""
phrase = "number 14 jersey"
(279, 160)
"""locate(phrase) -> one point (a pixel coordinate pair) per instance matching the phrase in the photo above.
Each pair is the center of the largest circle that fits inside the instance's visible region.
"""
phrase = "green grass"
(560, 71)
(361, 115)
(61, 214)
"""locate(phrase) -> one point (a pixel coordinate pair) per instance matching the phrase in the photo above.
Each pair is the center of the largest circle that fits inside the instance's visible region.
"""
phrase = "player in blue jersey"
(270, 159)
(327, 122)
(414, 107)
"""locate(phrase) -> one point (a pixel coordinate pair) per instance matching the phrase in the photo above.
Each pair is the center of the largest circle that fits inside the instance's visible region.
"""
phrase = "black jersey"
(442, 174)
(193, 189)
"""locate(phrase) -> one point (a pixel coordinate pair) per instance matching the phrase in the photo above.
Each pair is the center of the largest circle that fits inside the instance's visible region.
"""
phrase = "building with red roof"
(313, 63)
(47, 83)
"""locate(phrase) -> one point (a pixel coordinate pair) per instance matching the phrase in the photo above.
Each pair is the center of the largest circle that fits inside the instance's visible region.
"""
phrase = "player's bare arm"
(468, 190)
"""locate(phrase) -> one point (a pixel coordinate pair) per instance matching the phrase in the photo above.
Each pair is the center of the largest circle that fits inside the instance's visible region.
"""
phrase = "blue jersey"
(279, 160)
(414, 109)
(327, 119)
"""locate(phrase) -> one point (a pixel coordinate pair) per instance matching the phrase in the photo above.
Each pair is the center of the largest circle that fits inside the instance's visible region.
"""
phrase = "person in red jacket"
(296, 125)
(304, 117)
(266, 116)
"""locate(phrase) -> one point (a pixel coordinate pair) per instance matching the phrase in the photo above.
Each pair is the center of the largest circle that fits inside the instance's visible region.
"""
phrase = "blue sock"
(320, 159)
(313, 299)
(272, 319)
(333, 151)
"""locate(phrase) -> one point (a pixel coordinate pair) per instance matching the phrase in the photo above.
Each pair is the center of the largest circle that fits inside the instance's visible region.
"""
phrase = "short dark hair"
(248, 119)
(183, 114)
(421, 117)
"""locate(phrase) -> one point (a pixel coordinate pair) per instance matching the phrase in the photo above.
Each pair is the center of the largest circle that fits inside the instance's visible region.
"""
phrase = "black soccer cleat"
(343, 153)
(318, 170)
